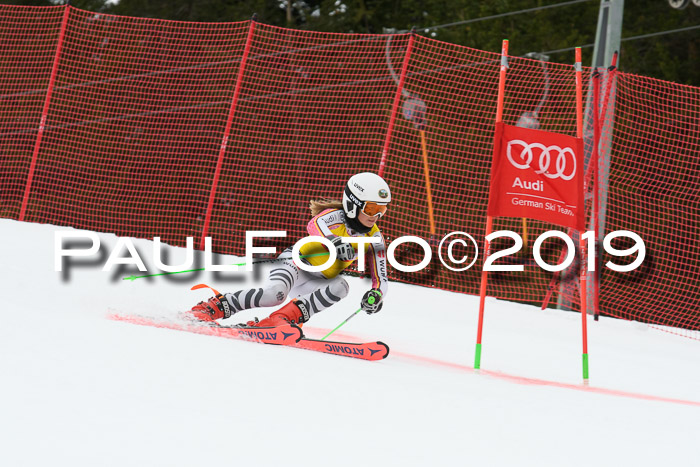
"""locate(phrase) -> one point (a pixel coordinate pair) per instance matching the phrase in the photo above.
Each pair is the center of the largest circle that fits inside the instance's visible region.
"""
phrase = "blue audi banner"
(538, 175)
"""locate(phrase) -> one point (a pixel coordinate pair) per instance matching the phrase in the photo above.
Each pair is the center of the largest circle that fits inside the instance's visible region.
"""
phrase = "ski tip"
(205, 286)
(385, 346)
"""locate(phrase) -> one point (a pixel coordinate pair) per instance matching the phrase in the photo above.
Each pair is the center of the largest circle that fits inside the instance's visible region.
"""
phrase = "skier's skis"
(281, 335)
(289, 335)
(366, 351)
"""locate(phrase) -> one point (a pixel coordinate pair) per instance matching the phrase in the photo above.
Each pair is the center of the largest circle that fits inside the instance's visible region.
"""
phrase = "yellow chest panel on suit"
(313, 248)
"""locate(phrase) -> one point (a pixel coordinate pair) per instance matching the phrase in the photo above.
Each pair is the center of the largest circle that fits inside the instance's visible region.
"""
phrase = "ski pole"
(132, 278)
(371, 301)
(336, 328)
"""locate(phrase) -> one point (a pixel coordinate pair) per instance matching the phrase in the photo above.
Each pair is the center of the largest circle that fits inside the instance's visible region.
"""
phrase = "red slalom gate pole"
(395, 106)
(582, 242)
(44, 115)
(489, 219)
(227, 132)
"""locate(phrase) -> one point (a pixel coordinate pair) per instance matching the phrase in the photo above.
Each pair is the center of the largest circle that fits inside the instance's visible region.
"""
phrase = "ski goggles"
(372, 209)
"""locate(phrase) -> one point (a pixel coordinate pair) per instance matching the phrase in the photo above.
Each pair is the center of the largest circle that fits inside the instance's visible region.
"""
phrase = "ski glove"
(372, 301)
(345, 251)
(215, 308)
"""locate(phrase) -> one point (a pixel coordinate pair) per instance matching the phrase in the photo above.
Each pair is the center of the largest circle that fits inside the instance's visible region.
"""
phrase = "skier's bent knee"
(275, 294)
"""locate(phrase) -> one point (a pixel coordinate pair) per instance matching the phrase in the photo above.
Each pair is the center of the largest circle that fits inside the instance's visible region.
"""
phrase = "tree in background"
(671, 57)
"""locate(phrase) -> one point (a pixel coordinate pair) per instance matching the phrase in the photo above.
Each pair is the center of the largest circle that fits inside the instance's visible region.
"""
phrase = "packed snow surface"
(79, 389)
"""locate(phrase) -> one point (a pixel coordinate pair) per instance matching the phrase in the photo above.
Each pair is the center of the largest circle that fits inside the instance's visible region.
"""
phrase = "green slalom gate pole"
(477, 357)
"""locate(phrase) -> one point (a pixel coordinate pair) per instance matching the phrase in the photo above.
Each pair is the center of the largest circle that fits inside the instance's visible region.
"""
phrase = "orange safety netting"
(146, 128)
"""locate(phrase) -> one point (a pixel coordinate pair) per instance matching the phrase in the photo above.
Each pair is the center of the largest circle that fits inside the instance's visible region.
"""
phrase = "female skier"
(365, 200)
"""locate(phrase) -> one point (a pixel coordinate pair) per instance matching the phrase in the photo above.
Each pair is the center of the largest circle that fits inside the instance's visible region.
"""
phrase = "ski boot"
(294, 312)
(215, 308)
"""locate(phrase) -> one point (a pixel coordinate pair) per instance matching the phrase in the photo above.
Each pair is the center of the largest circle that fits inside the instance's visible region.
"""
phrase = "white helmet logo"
(526, 156)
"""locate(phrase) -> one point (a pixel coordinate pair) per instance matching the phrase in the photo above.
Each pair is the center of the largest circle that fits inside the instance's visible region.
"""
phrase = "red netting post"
(583, 271)
(489, 219)
(395, 106)
(227, 131)
(598, 222)
(596, 184)
(44, 114)
(609, 85)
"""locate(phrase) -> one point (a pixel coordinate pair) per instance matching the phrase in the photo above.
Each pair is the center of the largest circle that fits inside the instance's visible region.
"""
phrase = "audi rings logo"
(565, 164)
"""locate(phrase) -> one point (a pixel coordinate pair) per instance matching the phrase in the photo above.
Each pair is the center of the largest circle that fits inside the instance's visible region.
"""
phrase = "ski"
(280, 335)
(289, 335)
(366, 351)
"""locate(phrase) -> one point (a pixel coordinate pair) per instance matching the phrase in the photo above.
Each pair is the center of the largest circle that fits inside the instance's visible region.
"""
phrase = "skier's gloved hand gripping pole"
(371, 303)
(344, 251)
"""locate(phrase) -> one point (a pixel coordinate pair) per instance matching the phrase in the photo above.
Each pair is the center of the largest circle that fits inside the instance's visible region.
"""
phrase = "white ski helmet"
(364, 188)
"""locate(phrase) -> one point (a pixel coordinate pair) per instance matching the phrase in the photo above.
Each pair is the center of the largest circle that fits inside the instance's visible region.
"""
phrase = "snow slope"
(79, 389)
